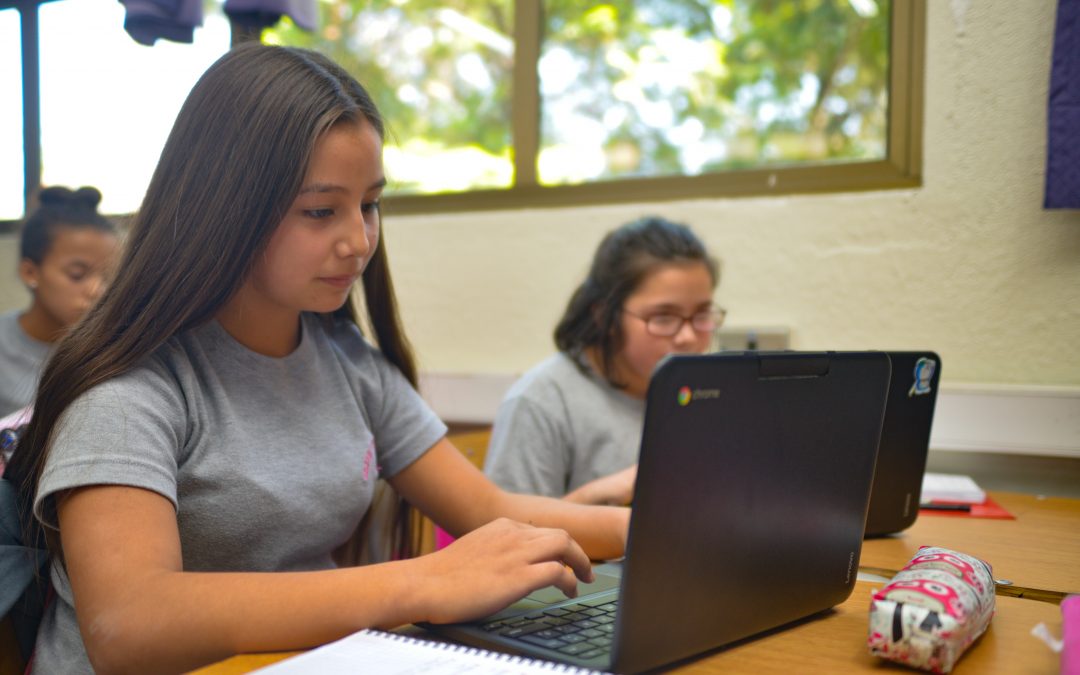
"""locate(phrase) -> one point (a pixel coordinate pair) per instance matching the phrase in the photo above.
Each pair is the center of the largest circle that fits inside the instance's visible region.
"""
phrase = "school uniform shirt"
(559, 428)
(269, 462)
(21, 360)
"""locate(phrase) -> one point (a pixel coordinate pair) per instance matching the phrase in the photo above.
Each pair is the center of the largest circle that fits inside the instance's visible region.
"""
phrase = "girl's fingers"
(560, 546)
(512, 559)
(560, 576)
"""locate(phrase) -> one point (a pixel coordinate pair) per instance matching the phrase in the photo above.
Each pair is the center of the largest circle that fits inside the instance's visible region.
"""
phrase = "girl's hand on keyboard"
(497, 564)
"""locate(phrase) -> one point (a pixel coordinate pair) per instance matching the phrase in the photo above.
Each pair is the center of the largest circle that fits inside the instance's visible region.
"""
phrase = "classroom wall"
(12, 293)
(969, 264)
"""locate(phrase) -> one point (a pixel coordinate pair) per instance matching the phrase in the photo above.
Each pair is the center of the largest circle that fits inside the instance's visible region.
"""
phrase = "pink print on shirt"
(369, 459)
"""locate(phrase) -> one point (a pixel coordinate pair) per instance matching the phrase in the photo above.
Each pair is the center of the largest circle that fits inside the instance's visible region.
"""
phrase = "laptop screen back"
(751, 498)
(905, 442)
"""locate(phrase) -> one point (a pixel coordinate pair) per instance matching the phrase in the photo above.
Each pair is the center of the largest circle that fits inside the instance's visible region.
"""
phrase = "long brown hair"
(231, 167)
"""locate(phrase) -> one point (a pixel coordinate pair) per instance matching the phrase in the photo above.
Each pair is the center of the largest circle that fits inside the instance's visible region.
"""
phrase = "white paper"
(950, 487)
(382, 653)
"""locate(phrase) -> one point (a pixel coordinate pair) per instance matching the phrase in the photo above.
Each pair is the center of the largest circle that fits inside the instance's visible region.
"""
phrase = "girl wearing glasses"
(212, 432)
(571, 426)
(66, 249)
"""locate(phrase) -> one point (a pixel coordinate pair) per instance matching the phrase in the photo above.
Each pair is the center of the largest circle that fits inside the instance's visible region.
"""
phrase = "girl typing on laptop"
(213, 430)
(571, 426)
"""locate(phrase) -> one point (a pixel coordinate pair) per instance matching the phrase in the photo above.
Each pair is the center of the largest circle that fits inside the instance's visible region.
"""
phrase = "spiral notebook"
(371, 651)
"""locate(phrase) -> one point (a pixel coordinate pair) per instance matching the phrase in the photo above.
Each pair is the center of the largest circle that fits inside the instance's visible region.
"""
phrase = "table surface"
(1040, 549)
(835, 641)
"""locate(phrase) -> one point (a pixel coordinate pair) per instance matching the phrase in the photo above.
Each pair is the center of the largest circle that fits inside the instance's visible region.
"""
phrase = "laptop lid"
(905, 442)
(749, 511)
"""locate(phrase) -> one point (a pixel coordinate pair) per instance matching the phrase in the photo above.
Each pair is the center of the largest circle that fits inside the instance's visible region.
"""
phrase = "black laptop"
(749, 513)
(905, 442)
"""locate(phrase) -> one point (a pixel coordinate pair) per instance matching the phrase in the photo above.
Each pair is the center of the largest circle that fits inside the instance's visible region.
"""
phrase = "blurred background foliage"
(627, 88)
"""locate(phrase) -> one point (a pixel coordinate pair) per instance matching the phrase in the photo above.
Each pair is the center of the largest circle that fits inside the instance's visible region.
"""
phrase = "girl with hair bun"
(66, 251)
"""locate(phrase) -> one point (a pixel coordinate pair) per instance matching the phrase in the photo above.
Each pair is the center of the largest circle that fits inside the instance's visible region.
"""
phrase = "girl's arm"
(138, 610)
(457, 496)
(616, 489)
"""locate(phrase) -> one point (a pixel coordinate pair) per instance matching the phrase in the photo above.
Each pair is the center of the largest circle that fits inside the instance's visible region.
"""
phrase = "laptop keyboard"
(583, 630)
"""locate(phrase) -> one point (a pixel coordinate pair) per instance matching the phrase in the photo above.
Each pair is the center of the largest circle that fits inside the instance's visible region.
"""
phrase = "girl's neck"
(275, 334)
(40, 325)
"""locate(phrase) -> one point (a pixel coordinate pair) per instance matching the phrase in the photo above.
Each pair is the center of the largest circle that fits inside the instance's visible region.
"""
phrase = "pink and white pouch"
(932, 610)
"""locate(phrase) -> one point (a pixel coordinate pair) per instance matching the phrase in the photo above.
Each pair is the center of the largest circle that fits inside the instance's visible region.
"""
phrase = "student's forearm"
(176, 621)
(600, 530)
(586, 494)
(616, 489)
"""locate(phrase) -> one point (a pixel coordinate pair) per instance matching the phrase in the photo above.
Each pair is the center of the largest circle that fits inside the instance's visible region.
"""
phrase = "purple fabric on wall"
(1063, 112)
(264, 13)
(176, 20)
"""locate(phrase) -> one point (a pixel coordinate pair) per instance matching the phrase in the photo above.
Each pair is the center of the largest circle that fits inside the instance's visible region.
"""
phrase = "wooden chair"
(11, 662)
(473, 444)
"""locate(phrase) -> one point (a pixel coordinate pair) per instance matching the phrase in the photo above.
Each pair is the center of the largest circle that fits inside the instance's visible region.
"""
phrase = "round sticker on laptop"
(684, 396)
(924, 372)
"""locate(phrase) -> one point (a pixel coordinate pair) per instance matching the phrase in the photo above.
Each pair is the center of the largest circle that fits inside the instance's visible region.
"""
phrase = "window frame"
(30, 68)
(30, 63)
(901, 168)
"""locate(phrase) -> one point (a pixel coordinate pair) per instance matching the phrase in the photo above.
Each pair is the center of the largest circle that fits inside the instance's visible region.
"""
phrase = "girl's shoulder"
(555, 376)
(171, 372)
(13, 334)
(156, 376)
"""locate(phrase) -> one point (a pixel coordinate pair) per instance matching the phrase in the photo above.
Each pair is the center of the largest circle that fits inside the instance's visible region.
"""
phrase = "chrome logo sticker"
(684, 396)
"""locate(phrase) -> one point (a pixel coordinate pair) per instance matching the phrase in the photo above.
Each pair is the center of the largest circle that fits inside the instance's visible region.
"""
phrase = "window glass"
(440, 73)
(685, 87)
(11, 126)
(107, 102)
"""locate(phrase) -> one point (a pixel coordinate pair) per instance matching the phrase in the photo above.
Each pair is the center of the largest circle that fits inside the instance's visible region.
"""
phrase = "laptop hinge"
(787, 365)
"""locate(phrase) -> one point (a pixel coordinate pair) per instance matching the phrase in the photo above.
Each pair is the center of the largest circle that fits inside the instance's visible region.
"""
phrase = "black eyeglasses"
(666, 324)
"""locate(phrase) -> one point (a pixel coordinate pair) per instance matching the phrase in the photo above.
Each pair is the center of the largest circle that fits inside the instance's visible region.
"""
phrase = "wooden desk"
(835, 642)
(1040, 549)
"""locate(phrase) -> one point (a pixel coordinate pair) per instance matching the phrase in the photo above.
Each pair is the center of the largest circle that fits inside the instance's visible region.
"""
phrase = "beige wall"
(969, 264)
(12, 293)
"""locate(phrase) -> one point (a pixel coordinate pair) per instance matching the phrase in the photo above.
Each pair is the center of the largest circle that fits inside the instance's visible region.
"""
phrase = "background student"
(571, 426)
(66, 251)
(213, 429)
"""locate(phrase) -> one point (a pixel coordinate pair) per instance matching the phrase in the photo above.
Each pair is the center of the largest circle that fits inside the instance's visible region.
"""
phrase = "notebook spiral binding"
(484, 653)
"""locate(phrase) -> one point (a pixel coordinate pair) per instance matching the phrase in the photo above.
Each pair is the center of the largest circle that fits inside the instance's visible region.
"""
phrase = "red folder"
(987, 509)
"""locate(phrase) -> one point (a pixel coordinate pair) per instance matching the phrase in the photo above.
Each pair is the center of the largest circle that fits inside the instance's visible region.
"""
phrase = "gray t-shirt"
(21, 360)
(270, 462)
(559, 428)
